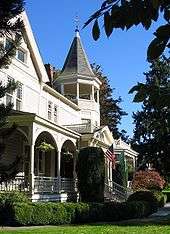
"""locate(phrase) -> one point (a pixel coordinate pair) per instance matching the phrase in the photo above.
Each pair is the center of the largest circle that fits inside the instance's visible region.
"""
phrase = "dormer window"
(21, 55)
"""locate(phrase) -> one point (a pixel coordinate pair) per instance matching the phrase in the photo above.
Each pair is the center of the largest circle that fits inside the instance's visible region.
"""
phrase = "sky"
(122, 56)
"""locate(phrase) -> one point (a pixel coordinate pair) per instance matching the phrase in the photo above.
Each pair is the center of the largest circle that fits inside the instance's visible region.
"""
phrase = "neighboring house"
(68, 119)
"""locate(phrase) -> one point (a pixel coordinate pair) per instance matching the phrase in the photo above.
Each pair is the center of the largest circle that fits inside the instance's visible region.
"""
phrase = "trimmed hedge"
(66, 213)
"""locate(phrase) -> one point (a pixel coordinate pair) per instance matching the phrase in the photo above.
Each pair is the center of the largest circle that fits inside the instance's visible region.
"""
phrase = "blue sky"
(122, 56)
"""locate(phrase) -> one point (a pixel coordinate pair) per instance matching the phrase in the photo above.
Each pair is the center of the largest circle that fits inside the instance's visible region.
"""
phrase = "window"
(19, 97)
(55, 113)
(49, 110)
(21, 55)
(9, 94)
(8, 44)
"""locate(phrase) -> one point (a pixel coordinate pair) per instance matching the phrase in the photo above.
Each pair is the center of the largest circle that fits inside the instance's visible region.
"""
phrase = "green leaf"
(96, 30)
(163, 32)
(156, 48)
(108, 24)
(155, 3)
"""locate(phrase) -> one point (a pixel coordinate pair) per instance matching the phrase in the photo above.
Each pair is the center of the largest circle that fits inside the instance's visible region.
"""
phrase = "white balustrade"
(19, 183)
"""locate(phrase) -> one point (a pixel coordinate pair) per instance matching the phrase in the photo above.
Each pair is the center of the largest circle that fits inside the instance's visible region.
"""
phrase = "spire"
(76, 61)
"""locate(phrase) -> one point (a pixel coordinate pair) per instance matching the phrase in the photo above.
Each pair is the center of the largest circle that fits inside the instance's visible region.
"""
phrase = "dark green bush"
(91, 183)
(13, 197)
(161, 198)
(146, 196)
(167, 193)
(67, 213)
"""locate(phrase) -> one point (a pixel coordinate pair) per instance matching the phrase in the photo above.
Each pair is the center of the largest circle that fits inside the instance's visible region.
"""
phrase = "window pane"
(21, 55)
(8, 99)
(8, 44)
(18, 105)
(19, 91)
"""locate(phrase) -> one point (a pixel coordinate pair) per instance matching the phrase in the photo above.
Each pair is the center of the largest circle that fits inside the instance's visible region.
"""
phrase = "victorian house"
(64, 114)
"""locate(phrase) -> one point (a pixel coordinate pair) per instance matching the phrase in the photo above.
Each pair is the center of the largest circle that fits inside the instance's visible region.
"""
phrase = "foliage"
(44, 146)
(149, 180)
(124, 14)
(146, 196)
(50, 213)
(91, 183)
(167, 193)
(110, 111)
(8, 198)
(11, 29)
(152, 124)
(161, 198)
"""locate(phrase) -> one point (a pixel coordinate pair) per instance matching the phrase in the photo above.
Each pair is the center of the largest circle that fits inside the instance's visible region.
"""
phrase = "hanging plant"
(45, 147)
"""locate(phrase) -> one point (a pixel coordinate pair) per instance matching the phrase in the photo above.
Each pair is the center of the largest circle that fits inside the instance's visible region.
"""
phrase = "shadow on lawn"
(159, 220)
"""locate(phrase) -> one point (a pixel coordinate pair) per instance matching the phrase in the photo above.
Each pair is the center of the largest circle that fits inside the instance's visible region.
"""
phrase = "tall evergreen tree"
(10, 27)
(110, 111)
(152, 123)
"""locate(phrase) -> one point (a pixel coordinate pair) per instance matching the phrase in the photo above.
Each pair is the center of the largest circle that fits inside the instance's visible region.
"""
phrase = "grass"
(91, 229)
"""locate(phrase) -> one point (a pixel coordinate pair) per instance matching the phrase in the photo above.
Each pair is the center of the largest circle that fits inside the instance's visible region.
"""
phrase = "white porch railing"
(19, 183)
(44, 184)
(81, 128)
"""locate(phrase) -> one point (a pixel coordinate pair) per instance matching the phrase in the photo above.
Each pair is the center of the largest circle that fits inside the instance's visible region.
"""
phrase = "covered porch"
(45, 174)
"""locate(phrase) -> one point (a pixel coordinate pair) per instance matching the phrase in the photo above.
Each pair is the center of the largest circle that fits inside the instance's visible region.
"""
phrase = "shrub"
(161, 198)
(12, 197)
(91, 183)
(146, 196)
(67, 213)
(149, 180)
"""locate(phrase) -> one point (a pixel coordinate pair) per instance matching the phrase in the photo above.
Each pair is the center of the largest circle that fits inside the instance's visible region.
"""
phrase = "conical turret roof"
(76, 61)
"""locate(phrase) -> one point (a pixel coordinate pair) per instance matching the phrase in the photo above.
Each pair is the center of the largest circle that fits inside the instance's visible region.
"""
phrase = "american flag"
(110, 155)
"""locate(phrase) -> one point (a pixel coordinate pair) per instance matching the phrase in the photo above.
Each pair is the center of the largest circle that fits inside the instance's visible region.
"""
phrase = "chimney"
(50, 71)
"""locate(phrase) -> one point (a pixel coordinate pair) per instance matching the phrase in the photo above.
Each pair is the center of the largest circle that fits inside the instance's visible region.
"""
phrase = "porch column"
(92, 96)
(78, 91)
(58, 170)
(32, 169)
(98, 95)
(74, 169)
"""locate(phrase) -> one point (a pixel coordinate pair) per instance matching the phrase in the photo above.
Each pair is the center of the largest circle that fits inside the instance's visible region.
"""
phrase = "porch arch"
(68, 153)
(45, 162)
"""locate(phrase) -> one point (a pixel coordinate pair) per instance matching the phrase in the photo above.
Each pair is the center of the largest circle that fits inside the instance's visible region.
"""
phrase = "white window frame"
(55, 113)
(19, 98)
(50, 104)
(24, 54)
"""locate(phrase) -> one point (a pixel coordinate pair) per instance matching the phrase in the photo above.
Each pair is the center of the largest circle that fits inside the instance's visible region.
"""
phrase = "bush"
(67, 213)
(12, 197)
(149, 180)
(146, 196)
(161, 198)
(91, 183)
(167, 194)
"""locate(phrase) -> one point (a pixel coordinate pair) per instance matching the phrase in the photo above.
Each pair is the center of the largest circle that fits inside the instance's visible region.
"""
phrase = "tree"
(10, 26)
(110, 111)
(124, 14)
(152, 123)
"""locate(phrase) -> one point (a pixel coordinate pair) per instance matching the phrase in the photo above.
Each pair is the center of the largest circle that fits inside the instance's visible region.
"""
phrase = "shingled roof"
(77, 61)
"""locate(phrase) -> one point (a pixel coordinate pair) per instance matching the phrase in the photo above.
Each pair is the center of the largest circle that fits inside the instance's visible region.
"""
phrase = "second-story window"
(19, 97)
(9, 94)
(49, 110)
(21, 55)
(55, 113)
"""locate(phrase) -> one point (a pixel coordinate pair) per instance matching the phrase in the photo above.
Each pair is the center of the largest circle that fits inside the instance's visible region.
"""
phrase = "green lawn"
(96, 229)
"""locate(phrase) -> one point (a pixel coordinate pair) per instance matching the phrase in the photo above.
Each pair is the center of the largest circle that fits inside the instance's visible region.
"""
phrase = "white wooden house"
(68, 119)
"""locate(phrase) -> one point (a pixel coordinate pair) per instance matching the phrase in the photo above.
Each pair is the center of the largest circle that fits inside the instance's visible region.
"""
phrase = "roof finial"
(77, 25)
